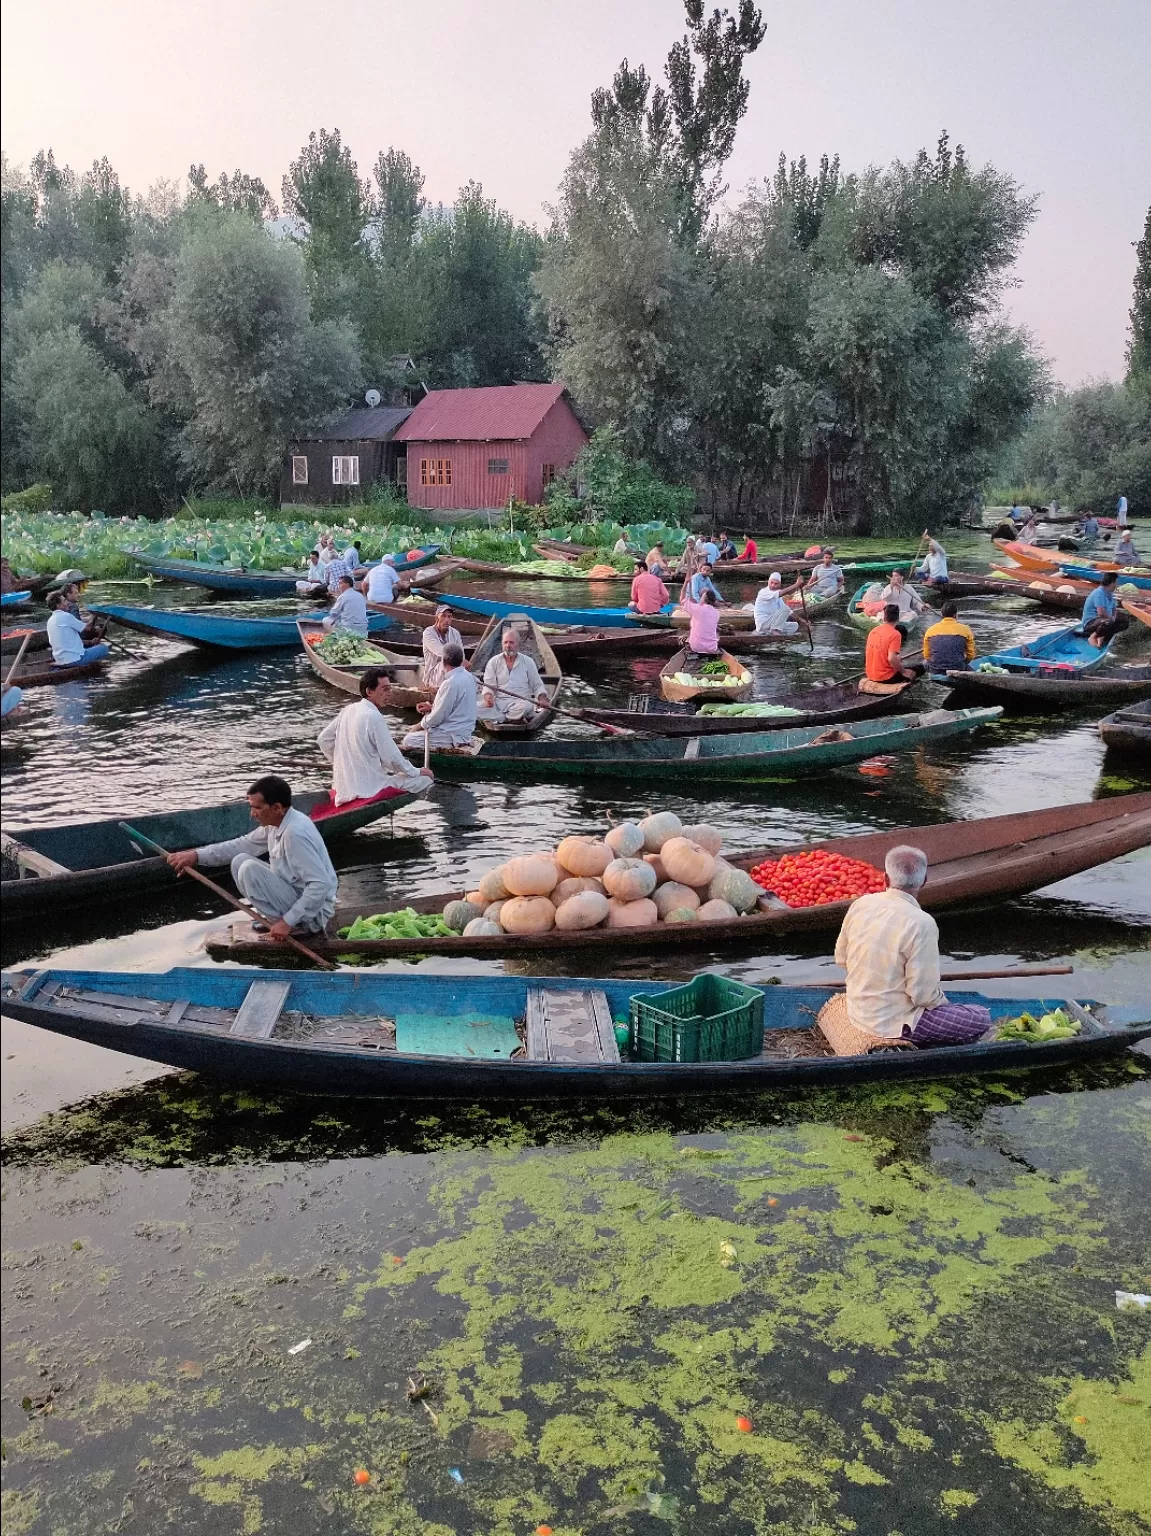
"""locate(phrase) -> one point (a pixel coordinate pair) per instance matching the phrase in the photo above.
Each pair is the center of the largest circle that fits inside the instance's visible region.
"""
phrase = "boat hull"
(968, 862)
(1085, 692)
(219, 578)
(220, 632)
(1129, 730)
(307, 1067)
(595, 618)
(114, 869)
(407, 691)
(843, 702)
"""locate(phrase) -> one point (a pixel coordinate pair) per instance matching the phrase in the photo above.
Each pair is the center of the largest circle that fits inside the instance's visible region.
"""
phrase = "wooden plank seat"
(573, 1026)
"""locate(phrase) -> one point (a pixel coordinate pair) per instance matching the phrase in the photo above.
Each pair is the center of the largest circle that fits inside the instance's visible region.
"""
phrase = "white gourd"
(658, 829)
(672, 895)
(625, 840)
(492, 887)
(716, 912)
(705, 835)
(482, 928)
(586, 909)
(629, 879)
(632, 914)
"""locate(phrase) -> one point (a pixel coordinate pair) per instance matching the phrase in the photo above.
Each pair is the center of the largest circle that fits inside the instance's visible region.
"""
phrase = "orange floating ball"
(543, 1530)
(743, 1423)
(363, 1476)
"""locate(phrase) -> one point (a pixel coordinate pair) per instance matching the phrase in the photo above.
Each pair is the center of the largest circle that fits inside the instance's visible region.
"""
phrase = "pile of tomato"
(814, 878)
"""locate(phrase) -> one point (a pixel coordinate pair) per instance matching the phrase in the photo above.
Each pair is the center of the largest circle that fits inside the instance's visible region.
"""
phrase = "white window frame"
(299, 469)
(345, 469)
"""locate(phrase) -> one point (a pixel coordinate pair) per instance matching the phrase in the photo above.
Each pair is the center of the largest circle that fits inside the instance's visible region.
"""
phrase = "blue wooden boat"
(425, 556)
(69, 866)
(1093, 573)
(599, 618)
(14, 599)
(221, 578)
(1058, 667)
(220, 631)
(370, 1034)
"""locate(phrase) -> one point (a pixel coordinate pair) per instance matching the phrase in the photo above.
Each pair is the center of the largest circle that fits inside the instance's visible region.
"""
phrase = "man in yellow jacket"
(948, 646)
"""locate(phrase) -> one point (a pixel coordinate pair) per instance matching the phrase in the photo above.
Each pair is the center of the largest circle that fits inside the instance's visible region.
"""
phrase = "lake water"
(916, 1315)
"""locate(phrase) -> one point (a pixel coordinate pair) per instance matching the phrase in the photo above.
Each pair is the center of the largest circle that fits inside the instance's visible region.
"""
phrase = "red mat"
(322, 812)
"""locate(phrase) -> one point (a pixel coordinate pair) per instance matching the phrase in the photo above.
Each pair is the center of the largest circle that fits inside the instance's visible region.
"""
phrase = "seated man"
(656, 560)
(648, 593)
(450, 720)
(365, 760)
(700, 583)
(296, 889)
(881, 659)
(898, 592)
(1125, 552)
(435, 639)
(512, 689)
(67, 634)
(1089, 527)
(349, 611)
(890, 949)
(381, 581)
(826, 579)
(1102, 619)
(703, 635)
(772, 614)
(948, 646)
(726, 547)
(750, 552)
(933, 571)
(314, 575)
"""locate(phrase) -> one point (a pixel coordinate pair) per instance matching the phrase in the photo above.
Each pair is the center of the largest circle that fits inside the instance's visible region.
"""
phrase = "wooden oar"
(612, 730)
(1007, 975)
(233, 901)
(12, 670)
(924, 535)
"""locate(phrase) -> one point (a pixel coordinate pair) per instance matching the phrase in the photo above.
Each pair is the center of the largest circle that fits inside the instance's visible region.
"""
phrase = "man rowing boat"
(297, 886)
(890, 949)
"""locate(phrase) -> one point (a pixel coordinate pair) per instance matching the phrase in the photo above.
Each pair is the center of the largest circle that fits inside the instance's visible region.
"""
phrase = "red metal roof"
(498, 414)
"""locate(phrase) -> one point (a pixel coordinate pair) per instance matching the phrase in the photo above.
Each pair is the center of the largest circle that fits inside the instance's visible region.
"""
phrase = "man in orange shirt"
(884, 643)
(648, 593)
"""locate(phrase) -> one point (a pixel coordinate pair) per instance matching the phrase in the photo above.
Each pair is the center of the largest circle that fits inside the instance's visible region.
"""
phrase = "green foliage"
(1091, 445)
(35, 498)
(220, 508)
(606, 481)
(1139, 345)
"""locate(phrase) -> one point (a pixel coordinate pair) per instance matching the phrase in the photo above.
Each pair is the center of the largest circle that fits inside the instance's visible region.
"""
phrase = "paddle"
(1007, 975)
(568, 714)
(233, 901)
(14, 668)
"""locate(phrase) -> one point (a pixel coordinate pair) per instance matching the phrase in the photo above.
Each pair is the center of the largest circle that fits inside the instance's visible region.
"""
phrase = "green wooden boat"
(747, 756)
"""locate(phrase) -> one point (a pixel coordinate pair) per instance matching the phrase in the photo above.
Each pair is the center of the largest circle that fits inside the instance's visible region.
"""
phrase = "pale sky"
(1055, 92)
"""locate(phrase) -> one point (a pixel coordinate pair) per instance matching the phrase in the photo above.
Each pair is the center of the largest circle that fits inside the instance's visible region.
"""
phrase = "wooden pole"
(233, 901)
(12, 670)
(1020, 971)
(568, 714)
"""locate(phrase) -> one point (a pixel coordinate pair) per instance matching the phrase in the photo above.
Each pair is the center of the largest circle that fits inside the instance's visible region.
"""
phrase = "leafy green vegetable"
(343, 648)
(1057, 1025)
(405, 924)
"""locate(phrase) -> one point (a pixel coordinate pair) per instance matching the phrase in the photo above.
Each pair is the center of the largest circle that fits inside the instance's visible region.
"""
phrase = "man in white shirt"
(365, 760)
(933, 571)
(297, 887)
(772, 614)
(450, 720)
(382, 581)
(349, 611)
(826, 580)
(1121, 511)
(435, 638)
(513, 689)
(66, 635)
(314, 575)
(890, 949)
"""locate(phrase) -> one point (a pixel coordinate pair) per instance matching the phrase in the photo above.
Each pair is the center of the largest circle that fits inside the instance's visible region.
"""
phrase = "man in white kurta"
(513, 688)
(297, 886)
(365, 760)
(450, 720)
(439, 634)
(772, 614)
(382, 580)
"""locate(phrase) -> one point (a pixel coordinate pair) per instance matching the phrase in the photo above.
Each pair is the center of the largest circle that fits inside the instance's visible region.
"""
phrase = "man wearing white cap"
(772, 615)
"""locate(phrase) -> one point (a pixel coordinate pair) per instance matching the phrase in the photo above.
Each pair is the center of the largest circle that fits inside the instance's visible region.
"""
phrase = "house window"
(549, 473)
(435, 471)
(345, 469)
(497, 466)
(402, 471)
(299, 469)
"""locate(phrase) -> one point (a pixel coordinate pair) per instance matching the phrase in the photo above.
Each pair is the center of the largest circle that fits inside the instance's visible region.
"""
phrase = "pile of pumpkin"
(641, 873)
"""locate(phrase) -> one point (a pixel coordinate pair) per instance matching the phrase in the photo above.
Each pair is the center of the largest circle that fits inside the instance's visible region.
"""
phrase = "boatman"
(296, 888)
(948, 646)
(1102, 620)
(890, 949)
(881, 659)
(313, 575)
(1125, 552)
(349, 611)
(366, 763)
(512, 689)
(436, 637)
(656, 560)
(648, 593)
(750, 552)
(450, 720)
(772, 614)
(826, 579)
(701, 582)
(381, 581)
(726, 547)
(933, 571)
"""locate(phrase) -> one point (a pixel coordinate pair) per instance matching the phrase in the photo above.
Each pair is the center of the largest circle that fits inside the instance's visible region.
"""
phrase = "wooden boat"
(94, 861)
(868, 621)
(218, 631)
(1057, 666)
(1055, 592)
(1129, 730)
(403, 672)
(827, 705)
(221, 578)
(969, 862)
(1030, 557)
(681, 693)
(532, 643)
(588, 618)
(749, 758)
(370, 1035)
(1138, 610)
(42, 671)
(1021, 689)
(568, 644)
(16, 599)
(1137, 576)
(411, 560)
(559, 549)
(13, 639)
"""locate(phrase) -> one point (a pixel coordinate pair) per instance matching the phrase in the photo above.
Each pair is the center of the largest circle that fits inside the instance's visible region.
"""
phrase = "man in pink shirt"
(648, 593)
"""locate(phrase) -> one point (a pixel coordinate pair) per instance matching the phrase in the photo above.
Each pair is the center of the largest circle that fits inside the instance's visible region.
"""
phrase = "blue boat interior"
(609, 618)
(1061, 648)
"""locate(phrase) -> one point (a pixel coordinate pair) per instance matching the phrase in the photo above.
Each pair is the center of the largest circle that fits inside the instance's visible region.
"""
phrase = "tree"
(323, 191)
(398, 205)
(239, 194)
(241, 363)
(1139, 345)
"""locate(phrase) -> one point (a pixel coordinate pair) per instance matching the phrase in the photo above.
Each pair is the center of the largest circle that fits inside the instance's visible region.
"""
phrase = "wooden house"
(341, 462)
(480, 447)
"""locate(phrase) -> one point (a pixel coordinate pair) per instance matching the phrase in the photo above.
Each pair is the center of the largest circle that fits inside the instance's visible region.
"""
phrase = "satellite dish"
(372, 397)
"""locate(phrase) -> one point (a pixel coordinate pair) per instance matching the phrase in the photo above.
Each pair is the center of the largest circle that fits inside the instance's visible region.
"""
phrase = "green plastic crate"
(709, 1019)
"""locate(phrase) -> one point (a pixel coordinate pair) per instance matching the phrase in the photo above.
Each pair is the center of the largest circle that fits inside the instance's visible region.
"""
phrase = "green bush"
(217, 508)
(35, 498)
